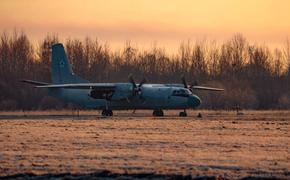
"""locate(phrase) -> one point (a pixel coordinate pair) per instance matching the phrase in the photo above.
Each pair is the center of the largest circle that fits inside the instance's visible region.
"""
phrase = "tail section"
(61, 71)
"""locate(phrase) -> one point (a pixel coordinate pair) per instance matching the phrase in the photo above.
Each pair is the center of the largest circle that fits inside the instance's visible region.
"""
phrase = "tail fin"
(61, 71)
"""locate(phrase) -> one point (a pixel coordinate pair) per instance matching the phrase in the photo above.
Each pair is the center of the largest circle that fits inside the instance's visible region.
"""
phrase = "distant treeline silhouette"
(253, 76)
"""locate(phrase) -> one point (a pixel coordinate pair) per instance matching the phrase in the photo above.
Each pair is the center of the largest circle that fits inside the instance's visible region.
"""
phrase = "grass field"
(220, 144)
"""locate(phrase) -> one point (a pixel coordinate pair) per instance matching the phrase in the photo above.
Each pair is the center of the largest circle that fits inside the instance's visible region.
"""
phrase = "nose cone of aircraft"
(193, 101)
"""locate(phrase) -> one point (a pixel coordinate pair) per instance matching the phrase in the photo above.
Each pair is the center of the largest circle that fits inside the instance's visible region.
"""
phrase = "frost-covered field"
(220, 144)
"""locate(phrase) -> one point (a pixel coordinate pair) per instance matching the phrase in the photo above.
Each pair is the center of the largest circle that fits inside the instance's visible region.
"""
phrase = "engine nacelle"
(122, 92)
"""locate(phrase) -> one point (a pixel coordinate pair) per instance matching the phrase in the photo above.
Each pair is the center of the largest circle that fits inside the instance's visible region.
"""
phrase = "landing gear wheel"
(158, 112)
(107, 112)
(104, 113)
(110, 112)
(183, 114)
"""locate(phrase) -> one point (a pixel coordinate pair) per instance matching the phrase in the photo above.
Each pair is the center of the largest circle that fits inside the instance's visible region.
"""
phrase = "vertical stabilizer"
(61, 71)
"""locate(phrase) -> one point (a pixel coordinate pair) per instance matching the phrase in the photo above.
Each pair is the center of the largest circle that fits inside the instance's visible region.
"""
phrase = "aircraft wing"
(196, 87)
(206, 88)
(95, 86)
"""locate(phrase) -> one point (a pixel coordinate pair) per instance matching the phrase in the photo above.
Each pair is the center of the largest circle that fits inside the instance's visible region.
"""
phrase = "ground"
(221, 144)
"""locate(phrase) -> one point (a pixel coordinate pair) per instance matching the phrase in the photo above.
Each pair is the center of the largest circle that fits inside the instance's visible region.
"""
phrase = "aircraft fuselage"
(151, 96)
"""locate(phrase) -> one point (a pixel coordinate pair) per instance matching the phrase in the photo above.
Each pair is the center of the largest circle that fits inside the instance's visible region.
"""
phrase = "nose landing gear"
(183, 113)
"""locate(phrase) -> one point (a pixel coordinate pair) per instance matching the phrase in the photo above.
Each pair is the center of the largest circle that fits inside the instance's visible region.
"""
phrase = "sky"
(145, 22)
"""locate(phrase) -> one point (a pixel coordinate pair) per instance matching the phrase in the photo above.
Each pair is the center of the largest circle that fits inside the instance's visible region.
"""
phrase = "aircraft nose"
(193, 101)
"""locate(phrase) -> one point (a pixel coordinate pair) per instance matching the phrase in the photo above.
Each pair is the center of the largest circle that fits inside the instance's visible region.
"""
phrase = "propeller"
(184, 81)
(185, 85)
(195, 86)
(136, 89)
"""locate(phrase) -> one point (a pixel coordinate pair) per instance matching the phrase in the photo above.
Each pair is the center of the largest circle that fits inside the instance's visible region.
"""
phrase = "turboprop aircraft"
(116, 96)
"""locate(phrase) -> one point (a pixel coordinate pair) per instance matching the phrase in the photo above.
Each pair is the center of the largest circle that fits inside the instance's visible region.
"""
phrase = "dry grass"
(221, 143)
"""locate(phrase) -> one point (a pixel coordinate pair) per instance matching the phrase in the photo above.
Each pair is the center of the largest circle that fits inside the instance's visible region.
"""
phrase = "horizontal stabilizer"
(37, 83)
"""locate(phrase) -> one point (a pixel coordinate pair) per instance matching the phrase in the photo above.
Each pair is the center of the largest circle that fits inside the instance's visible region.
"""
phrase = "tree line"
(254, 76)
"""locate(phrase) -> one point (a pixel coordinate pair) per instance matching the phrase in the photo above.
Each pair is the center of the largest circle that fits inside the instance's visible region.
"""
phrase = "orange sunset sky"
(167, 22)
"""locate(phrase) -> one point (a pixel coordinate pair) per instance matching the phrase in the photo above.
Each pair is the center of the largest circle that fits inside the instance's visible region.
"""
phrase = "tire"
(182, 114)
(158, 113)
(106, 112)
(161, 113)
(110, 113)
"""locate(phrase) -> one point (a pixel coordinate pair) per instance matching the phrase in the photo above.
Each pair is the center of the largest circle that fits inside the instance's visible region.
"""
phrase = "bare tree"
(253, 76)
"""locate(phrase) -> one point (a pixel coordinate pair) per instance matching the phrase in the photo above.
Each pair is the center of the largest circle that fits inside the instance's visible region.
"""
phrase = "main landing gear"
(158, 112)
(107, 112)
(183, 113)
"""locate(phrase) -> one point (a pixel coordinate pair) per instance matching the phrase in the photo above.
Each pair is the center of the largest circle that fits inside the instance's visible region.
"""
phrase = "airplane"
(107, 97)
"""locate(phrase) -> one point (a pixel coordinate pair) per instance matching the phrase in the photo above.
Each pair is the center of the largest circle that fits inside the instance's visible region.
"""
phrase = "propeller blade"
(131, 80)
(184, 82)
(142, 82)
